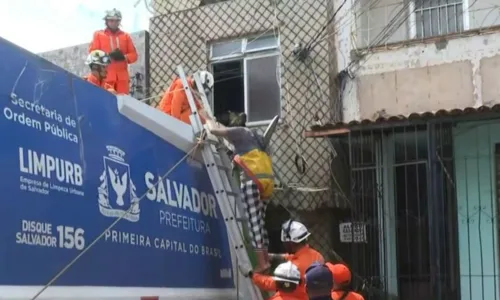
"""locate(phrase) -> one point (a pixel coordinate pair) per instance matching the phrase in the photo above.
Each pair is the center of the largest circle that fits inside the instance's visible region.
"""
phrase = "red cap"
(340, 273)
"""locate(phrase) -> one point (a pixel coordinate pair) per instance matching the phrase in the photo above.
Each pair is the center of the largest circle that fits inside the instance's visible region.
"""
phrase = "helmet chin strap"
(100, 72)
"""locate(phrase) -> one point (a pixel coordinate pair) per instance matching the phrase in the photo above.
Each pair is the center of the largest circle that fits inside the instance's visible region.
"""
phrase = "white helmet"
(287, 272)
(293, 231)
(207, 79)
(97, 57)
(113, 14)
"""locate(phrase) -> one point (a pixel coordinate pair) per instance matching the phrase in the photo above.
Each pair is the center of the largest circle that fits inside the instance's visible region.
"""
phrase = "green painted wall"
(474, 145)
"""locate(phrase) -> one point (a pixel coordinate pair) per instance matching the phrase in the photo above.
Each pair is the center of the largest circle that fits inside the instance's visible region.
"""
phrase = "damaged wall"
(452, 74)
(405, 77)
(73, 58)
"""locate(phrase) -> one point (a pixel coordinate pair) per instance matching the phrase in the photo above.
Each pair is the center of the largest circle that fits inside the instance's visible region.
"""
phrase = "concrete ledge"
(171, 130)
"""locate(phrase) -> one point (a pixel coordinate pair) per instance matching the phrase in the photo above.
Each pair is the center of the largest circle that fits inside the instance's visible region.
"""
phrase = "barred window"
(438, 17)
(246, 73)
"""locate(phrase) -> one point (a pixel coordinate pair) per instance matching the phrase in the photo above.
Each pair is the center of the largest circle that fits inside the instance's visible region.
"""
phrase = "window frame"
(244, 56)
(413, 19)
(245, 80)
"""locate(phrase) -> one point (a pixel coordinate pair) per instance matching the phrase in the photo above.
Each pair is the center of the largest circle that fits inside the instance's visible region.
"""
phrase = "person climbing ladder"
(175, 102)
(256, 178)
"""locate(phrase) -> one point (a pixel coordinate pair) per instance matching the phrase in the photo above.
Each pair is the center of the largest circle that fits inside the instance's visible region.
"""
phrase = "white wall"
(403, 78)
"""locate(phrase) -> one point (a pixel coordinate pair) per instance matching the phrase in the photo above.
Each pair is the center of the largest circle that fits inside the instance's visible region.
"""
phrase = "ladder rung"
(236, 219)
(224, 168)
(230, 193)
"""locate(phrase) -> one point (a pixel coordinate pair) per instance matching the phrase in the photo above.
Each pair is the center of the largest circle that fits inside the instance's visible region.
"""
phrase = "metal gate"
(403, 212)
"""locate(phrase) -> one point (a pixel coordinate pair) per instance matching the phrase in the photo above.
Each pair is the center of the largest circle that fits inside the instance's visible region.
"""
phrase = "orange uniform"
(284, 296)
(337, 295)
(302, 259)
(342, 276)
(107, 41)
(100, 83)
(175, 102)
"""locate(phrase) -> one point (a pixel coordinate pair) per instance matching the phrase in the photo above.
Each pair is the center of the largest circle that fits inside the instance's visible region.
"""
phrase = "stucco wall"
(458, 73)
(429, 75)
(73, 58)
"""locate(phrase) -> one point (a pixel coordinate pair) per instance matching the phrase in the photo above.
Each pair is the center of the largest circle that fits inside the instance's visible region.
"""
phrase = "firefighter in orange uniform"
(294, 236)
(175, 101)
(120, 48)
(97, 60)
(341, 282)
(287, 278)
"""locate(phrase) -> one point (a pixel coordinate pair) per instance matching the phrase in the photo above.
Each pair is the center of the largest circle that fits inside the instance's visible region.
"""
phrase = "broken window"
(247, 77)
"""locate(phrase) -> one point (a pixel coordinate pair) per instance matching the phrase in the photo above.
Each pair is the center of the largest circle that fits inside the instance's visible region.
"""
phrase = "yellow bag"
(257, 166)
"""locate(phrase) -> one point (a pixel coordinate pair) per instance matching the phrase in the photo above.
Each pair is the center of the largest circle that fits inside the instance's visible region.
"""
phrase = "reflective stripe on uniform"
(112, 44)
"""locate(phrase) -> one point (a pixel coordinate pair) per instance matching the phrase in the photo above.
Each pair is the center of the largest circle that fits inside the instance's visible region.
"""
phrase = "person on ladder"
(256, 178)
(97, 60)
(287, 278)
(120, 48)
(294, 237)
(175, 102)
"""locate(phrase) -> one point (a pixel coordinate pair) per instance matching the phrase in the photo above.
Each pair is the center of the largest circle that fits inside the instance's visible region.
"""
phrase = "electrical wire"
(332, 18)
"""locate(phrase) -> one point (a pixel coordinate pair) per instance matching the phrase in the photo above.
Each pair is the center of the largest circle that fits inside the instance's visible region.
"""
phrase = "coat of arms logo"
(121, 198)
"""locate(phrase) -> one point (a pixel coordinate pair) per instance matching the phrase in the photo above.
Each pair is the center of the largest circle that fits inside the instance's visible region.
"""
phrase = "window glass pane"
(443, 20)
(269, 41)
(419, 24)
(452, 18)
(426, 19)
(226, 48)
(459, 17)
(434, 21)
(263, 88)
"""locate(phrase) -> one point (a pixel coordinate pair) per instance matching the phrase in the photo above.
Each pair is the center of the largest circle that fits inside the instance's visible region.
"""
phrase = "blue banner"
(71, 164)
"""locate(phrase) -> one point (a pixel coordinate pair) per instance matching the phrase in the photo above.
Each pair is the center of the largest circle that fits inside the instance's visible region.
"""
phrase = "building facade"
(250, 47)
(420, 114)
(254, 50)
(407, 49)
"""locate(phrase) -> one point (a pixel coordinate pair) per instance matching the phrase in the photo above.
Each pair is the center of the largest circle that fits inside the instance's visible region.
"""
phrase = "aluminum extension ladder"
(219, 170)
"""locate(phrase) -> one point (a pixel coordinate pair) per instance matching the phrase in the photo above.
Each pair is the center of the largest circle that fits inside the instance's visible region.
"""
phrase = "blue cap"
(319, 277)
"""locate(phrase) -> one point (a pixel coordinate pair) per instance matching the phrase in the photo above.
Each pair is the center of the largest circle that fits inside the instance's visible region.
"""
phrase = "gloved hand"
(117, 55)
